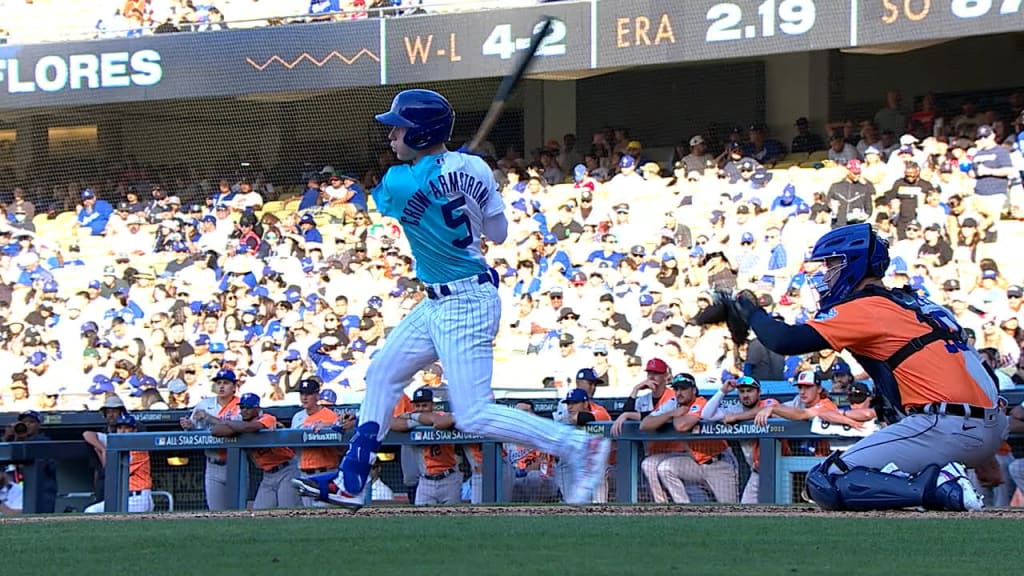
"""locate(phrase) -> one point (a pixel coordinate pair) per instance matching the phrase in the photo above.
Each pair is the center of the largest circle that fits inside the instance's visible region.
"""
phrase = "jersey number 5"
(456, 220)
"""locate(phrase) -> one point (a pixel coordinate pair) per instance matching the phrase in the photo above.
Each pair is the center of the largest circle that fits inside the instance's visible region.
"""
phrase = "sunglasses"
(856, 397)
(600, 353)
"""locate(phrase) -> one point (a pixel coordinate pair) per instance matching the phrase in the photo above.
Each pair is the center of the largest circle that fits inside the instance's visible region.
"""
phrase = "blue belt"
(436, 291)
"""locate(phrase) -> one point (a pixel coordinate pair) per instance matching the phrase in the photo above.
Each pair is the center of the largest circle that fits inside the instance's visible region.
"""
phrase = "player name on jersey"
(446, 186)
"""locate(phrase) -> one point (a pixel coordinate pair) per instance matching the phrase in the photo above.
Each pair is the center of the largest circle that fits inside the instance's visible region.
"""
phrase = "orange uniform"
(932, 374)
(228, 411)
(139, 475)
(319, 458)
(704, 450)
(665, 446)
(270, 458)
(438, 458)
(821, 447)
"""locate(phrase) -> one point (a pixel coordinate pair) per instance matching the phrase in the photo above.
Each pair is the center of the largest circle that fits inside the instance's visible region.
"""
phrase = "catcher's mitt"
(715, 313)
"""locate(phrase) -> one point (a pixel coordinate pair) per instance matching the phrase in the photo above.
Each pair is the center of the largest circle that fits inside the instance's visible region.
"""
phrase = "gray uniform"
(714, 411)
(216, 478)
(276, 490)
(440, 489)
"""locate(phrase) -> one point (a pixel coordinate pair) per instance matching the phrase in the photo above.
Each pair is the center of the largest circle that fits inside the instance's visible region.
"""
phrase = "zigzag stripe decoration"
(311, 59)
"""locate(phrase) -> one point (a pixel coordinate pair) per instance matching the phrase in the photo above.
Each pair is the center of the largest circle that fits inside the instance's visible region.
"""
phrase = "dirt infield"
(597, 510)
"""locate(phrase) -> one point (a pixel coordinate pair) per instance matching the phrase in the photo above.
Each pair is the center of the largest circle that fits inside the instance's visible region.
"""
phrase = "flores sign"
(81, 71)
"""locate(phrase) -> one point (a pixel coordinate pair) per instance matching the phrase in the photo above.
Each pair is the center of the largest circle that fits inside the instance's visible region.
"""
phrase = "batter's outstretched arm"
(496, 228)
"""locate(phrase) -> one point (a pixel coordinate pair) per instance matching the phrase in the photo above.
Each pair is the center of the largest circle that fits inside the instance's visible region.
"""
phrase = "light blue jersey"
(442, 202)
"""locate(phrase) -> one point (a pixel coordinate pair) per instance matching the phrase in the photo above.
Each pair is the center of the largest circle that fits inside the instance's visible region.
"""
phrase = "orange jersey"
(666, 446)
(270, 458)
(139, 476)
(600, 414)
(229, 411)
(876, 327)
(821, 447)
(438, 458)
(325, 457)
(704, 450)
(404, 406)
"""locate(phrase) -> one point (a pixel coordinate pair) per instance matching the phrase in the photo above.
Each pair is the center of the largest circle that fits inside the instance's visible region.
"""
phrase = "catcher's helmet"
(428, 116)
(856, 252)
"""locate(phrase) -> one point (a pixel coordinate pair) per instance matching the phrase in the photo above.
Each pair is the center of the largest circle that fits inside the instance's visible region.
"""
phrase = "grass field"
(517, 545)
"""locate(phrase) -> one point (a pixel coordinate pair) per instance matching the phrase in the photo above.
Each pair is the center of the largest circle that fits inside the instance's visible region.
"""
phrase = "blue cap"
(177, 386)
(803, 208)
(88, 193)
(49, 287)
(103, 343)
(307, 218)
(179, 247)
(37, 358)
(423, 394)
(211, 306)
(146, 382)
(261, 292)
(358, 345)
(519, 204)
(646, 300)
(293, 296)
(30, 414)
(226, 374)
(589, 375)
(747, 237)
(550, 238)
(668, 255)
(90, 326)
(100, 385)
(203, 340)
(209, 218)
(126, 419)
(841, 367)
(94, 284)
(579, 172)
(249, 400)
(697, 251)
(292, 354)
(375, 302)
(328, 396)
(217, 347)
(576, 395)
(789, 191)
(307, 264)
(627, 161)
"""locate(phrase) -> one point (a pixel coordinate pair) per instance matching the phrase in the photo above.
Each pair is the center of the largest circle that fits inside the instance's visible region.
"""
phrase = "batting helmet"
(428, 116)
(861, 254)
(126, 420)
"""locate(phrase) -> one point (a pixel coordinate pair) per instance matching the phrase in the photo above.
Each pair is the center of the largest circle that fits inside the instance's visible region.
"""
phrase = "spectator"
(27, 429)
(767, 151)
(851, 199)
(11, 491)
(840, 151)
(93, 214)
(806, 141)
(891, 117)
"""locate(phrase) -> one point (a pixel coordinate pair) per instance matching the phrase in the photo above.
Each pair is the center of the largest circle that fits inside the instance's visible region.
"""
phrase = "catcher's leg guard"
(866, 489)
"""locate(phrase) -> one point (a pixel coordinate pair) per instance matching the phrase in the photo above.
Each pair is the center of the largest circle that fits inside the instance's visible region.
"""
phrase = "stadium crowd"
(139, 298)
(136, 18)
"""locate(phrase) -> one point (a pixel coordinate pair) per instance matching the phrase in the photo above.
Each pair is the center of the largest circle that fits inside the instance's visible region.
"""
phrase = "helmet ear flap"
(878, 255)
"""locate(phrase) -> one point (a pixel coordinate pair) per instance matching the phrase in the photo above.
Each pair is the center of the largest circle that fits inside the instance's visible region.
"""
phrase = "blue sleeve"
(314, 353)
(786, 339)
(136, 310)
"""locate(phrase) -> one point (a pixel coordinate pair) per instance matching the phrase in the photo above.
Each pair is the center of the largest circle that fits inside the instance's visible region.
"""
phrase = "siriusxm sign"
(92, 71)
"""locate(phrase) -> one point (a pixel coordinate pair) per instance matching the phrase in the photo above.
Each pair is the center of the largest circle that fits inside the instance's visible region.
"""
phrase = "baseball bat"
(508, 85)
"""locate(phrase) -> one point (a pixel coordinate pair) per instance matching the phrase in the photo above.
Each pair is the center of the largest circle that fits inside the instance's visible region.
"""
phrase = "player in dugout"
(933, 389)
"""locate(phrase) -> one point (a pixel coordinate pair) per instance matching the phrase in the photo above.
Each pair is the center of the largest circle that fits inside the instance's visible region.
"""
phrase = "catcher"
(933, 390)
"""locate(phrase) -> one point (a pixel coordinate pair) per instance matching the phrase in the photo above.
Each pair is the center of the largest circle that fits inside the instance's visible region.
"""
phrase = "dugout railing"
(629, 444)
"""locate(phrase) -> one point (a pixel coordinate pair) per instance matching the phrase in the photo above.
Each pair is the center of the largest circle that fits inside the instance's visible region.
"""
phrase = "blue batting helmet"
(126, 420)
(428, 116)
(851, 253)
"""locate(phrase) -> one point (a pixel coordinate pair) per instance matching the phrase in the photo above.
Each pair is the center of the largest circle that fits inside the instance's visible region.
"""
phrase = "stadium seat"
(817, 156)
(794, 158)
(292, 205)
(273, 206)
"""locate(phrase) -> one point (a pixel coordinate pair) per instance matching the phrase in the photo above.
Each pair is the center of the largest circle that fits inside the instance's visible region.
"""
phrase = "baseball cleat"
(588, 468)
(323, 488)
(956, 472)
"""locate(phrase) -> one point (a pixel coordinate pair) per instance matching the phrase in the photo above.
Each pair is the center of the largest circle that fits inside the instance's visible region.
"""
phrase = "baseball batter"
(938, 397)
(446, 202)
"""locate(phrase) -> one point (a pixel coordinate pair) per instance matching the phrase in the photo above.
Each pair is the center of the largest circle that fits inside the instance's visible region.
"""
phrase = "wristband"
(415, 417)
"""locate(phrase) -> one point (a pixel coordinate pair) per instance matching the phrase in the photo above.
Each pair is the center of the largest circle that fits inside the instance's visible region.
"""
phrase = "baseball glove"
(715, 313)
(736, 317)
